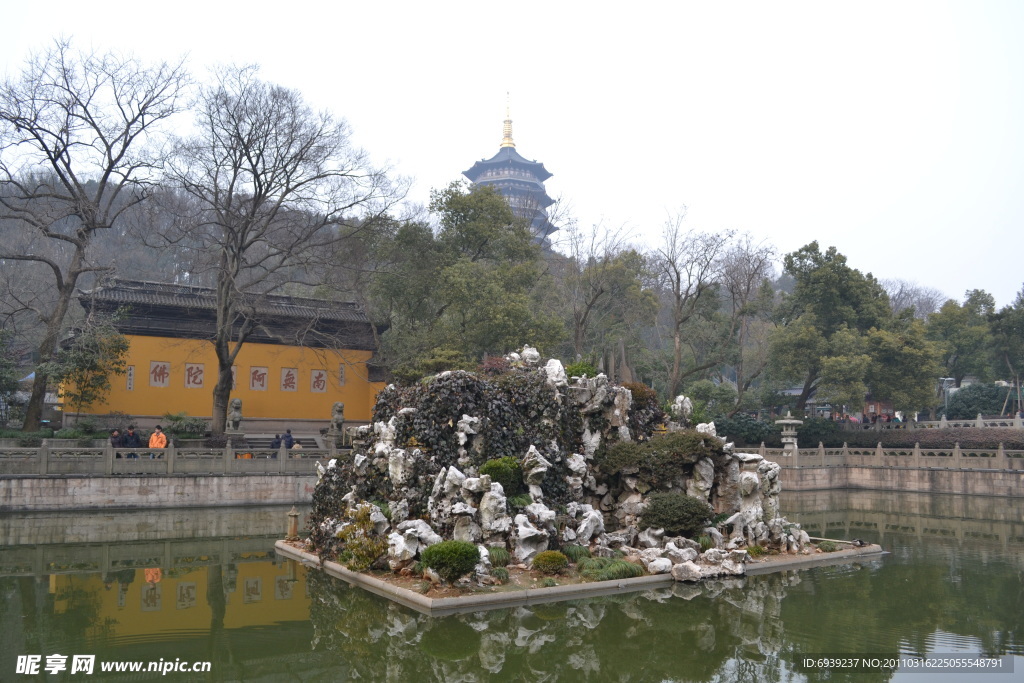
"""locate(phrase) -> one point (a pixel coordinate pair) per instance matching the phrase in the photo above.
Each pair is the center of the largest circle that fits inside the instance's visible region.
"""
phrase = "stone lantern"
(789, 425)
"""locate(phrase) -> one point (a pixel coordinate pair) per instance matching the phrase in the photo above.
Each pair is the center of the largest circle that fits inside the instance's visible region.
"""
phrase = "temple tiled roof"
(187, 311)
(508, 156)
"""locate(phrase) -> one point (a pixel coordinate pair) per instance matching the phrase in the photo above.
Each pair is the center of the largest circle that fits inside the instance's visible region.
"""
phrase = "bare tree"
(78, 147)
(903, 295)
(273, 186)
(599, 279)
(747, 270)
(688, 264)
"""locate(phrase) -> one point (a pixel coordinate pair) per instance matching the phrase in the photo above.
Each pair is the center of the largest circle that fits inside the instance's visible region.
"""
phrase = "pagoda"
(520, 180)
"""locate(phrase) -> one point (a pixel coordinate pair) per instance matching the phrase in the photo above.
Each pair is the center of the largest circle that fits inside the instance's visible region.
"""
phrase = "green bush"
(756, 550)
(520, 501)
(827, 546)
(706, 543)
(451, 559)
(580, 369)
(361, 546)
(661, 459)
(500, 557)
(506, 471)
(608, 569)
(644, 398)
(181, 425)
(501, 574)
(967, 402)
(575, 553)
(550, 562)
(744, 430)
(676, 513)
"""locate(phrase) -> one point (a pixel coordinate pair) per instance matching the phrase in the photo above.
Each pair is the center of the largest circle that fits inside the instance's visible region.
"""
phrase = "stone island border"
(479, 602)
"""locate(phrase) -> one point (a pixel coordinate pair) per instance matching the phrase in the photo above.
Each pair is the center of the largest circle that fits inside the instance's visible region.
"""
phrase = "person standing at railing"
(116, 441)
(131, 440)
(157, 440)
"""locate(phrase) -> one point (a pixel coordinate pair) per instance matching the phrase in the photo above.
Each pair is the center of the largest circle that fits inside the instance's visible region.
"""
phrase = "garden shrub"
(520, 501)
(550, 562)
(451, 559)
(360, 545)
(676, 513)
(501, 574)
(506, 471)
(827, 546)
(965, 403)
(608, 569)
(660, 460)
(500, 557)
(744, 430)
(580, 369)
(575, 553)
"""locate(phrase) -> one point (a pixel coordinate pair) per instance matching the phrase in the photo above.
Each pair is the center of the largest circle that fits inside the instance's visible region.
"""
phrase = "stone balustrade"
(1012, 422)
(106, 461)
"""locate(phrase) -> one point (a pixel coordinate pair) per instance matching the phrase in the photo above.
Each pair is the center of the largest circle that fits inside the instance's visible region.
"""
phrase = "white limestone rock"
(540, 514)
(402, 549)
(590, 526)
(707, 429)
(686, 571)
(424, 533)
(651, 538)
(535, 466)
(529, 540)
(680, 555)
(530, 355)
(556, 373)
(662, 565)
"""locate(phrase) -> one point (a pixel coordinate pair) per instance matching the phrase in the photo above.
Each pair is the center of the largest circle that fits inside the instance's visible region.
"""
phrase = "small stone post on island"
(293, 525)
(789, 425)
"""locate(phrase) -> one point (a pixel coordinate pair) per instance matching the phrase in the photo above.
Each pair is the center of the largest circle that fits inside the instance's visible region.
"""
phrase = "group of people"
(286, 440)
(131, 439)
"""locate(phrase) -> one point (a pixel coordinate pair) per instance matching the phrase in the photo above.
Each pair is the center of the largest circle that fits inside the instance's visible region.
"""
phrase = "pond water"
(178, 587)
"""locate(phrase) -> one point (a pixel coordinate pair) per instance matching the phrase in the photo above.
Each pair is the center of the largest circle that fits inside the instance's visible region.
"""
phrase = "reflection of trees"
(692, 633)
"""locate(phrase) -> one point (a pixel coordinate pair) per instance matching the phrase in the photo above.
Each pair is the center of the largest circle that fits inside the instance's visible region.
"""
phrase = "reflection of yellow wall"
(272, 605)
(357, 392)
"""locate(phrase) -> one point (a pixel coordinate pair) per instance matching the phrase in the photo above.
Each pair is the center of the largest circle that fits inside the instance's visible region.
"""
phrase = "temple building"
(520, 180)
(302, 356)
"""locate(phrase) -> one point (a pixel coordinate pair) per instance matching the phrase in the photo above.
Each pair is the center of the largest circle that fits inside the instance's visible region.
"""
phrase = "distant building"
(520, 180)
(302, 356)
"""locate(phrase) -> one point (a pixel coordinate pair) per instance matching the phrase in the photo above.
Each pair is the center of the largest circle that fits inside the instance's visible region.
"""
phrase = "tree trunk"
(47, 347)
(221, 398)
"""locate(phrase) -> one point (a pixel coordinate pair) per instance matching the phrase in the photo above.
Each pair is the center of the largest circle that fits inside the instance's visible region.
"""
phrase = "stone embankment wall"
(977, 482)
(69, 492)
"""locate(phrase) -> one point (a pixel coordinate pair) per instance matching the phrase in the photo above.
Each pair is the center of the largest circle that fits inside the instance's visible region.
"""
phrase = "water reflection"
(205, 585)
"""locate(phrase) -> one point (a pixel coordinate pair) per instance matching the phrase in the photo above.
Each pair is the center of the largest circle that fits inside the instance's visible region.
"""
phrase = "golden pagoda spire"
(506, 141)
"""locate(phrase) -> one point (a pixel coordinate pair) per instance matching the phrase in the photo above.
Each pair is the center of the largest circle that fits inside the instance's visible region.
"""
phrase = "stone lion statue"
(235, 415)
(337, 418)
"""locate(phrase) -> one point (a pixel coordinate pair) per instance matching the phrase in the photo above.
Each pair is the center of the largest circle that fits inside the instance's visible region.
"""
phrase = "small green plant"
(756, 550)
(506, 471)
(181, 425)
(828, 546)
(501, 574)
(385, 509)
(719, 518)
(550, 562)
(520, 501)
(500, 557)
(548, 583)
(575, 553)
(580, 369)
(706, 543)
(608, 569)
(676, 513)
(361, 546)
(451, 559)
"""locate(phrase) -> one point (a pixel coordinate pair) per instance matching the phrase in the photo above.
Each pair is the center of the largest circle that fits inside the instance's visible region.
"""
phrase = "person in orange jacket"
(157, 440)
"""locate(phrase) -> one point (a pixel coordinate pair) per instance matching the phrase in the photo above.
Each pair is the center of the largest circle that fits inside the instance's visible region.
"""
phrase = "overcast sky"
(891, 130)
